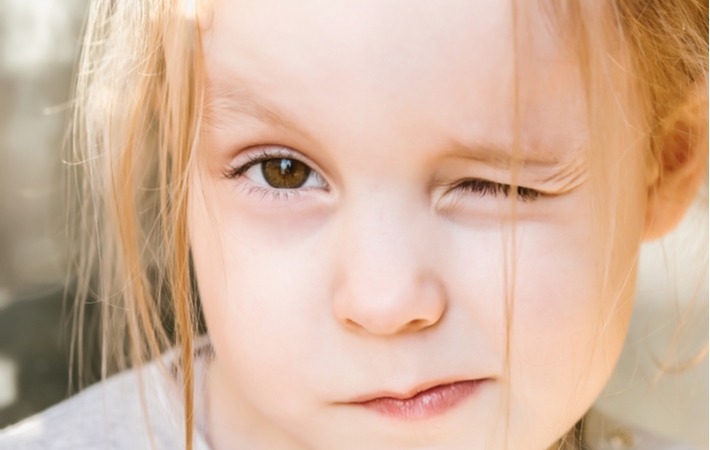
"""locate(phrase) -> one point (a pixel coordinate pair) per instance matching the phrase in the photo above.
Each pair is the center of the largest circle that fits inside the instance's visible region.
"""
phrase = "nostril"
(383, 328)
(417, 324)
(351, 323)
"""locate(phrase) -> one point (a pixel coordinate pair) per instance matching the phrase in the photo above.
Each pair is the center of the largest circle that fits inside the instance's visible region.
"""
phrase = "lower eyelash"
(275, 194)
(484, 187)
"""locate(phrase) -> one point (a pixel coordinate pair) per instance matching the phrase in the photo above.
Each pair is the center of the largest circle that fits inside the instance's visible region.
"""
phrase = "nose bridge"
(381, 224)
(385, 284)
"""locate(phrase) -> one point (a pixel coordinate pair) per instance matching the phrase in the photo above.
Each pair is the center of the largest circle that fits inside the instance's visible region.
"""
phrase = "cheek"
(568, 327)
(557, 300)
(263, 304)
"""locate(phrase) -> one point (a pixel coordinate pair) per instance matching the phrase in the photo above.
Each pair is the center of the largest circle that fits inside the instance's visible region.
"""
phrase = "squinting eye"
(284, 173)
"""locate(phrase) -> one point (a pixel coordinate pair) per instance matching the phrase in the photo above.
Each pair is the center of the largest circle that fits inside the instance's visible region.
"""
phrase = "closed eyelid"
(563, 178)
(550, 171)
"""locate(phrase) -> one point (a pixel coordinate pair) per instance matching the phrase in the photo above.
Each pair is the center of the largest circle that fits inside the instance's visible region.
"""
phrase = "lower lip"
(430, 403)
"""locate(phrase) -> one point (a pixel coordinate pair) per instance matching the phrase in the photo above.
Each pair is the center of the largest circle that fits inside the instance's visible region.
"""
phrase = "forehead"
(425, 65)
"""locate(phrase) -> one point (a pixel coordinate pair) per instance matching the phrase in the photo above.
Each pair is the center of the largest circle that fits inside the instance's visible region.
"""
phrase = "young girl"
(408, 224)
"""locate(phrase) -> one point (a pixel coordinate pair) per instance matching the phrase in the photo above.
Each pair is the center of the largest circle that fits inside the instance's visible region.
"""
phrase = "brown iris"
(284, 173)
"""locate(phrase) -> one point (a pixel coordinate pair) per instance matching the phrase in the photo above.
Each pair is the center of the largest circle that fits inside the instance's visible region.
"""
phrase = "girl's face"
(354, 241)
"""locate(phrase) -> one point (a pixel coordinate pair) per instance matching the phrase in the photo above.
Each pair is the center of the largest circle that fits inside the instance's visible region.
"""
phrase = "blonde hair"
(134, 130)
(136, 127)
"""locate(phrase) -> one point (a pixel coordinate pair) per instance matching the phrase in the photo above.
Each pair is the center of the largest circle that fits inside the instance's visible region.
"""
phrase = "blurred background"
(38, 48)
(39, 42)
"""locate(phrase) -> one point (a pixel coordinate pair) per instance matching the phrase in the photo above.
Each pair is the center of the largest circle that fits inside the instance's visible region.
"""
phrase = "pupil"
(284, 173)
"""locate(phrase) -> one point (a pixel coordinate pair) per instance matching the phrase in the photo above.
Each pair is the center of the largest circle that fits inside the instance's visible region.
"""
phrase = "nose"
(386, 283)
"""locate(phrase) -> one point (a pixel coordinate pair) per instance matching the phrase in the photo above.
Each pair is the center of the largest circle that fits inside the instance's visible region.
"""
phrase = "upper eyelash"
(484, 187)
(252, 160)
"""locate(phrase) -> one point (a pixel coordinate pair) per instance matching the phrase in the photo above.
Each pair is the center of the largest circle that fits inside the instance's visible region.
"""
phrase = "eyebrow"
(504, 156)
(221, 100)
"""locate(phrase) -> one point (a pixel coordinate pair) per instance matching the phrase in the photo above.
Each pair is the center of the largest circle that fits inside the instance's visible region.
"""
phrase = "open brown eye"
(284, 173)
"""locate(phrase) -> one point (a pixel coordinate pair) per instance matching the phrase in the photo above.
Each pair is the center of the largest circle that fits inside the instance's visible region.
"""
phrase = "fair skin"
(384, 272)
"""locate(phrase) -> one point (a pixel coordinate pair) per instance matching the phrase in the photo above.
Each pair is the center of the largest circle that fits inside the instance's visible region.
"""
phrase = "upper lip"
(410, 393)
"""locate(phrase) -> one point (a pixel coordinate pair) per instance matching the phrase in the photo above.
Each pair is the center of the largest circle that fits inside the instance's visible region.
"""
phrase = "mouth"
(423, 403)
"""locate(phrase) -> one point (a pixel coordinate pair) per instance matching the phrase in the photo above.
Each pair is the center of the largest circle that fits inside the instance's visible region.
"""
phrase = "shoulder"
(109, 415)
(606, 433)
